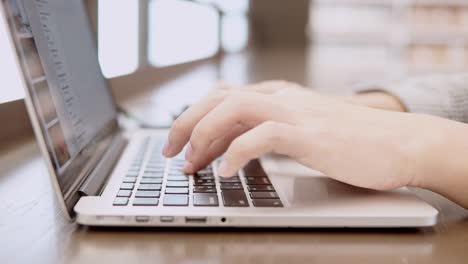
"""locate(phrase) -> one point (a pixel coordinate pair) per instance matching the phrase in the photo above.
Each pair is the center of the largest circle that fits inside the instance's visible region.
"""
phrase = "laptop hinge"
(95, 181)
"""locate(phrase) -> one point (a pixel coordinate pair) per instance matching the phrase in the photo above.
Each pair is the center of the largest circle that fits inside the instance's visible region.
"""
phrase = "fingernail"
(188, 167)
(166, 149)
(189, 153)
(223, 169)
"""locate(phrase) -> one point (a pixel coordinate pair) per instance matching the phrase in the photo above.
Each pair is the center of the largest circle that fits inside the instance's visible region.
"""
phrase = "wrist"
(440, 161)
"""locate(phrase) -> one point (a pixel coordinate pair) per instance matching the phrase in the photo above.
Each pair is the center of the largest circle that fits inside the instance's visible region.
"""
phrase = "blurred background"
(150, 42)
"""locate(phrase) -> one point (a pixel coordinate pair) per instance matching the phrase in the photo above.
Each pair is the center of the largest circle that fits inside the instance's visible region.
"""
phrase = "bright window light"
(118, 37)
(12, 88)
(235, 34)
(181, 31)
(232, 6)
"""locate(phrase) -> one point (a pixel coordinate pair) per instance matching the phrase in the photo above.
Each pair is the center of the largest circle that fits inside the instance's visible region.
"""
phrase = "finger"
(179, 134)
(249, 110)
(217, 148)
(269, 137)
(270, 87)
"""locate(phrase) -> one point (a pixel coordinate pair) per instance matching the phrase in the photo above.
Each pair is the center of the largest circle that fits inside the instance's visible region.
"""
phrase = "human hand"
(357, 145)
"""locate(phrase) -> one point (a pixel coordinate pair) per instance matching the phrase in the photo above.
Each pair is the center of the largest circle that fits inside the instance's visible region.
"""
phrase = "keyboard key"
(254, 169)
(151, 180)
(229, 180)
(231, 186)
(120, 201)
(204, 189)
(267, 203)
(155, 172)
(260, 188)
(205, 177)
(206, 173)
(147, 194)
(177, 190)
(127, 186)
(258, 181)
(149, 187)
(176, 200)
(130, 179)
(205, 199)
(124, 193)
(235, 198)
(177, 184)
(145, 201)
(264, 195)
(177, 178)
(159, 176)
(132, 173)
(200, 182)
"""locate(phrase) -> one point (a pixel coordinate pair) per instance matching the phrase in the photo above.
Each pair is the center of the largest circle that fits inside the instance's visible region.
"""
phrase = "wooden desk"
(32, 229)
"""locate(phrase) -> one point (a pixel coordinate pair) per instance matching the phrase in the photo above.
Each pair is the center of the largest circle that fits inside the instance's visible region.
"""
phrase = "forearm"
(443, 159)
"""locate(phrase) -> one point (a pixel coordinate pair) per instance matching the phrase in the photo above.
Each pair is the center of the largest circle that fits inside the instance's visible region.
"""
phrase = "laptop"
(105, 175)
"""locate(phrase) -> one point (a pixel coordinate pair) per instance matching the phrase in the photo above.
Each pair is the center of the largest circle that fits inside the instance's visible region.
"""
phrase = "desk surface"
(32, 228)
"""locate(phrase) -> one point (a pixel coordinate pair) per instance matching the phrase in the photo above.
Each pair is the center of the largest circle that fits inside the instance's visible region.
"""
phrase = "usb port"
(166, 219)
(142, 218)
(195, 219)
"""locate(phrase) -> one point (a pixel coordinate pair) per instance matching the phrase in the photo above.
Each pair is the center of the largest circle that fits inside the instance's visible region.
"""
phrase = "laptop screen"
(71, 100)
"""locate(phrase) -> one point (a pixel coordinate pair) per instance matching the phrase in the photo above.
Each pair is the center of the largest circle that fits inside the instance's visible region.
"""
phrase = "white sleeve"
(442, 95)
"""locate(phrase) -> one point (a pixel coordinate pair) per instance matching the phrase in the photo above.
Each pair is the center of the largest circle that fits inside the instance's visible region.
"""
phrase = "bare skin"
(336, 135)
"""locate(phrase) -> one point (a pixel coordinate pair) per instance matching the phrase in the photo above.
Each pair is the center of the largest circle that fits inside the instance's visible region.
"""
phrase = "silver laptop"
(106, 176)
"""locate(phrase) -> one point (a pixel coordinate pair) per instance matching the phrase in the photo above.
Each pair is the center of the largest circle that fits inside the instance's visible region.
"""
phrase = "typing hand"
(358, 145)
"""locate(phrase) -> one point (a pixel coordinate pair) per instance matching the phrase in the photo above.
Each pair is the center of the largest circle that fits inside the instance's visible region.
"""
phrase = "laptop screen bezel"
(81, 165)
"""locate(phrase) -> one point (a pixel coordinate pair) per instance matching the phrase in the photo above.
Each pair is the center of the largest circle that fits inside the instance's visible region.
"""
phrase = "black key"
(200, 182)
(176, 200)
(258, 181)
(145, 201)
(149, 187)
(127, 186)
(147, 194)
(151, 180)
(204, 189)
(205, 173)
(231, 186)
(124, 193)
(229, 180)
(264, 195)
(205, 177)
(235, 198)
(177, 190)
(260, 188)
(205, 199)
(254, 169)
(120, 201)
(178, 178)
(177, 184)
(130, 179)
(267, 203)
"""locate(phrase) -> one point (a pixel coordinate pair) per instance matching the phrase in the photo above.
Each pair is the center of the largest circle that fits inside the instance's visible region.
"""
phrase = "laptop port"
(166, 219)
(195, 219)
(142, 218)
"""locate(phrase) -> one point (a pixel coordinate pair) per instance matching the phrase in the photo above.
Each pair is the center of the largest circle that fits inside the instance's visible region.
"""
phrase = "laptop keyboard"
(153, 180)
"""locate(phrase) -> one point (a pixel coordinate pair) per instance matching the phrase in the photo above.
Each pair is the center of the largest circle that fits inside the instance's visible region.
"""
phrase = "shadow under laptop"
(242, 245)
